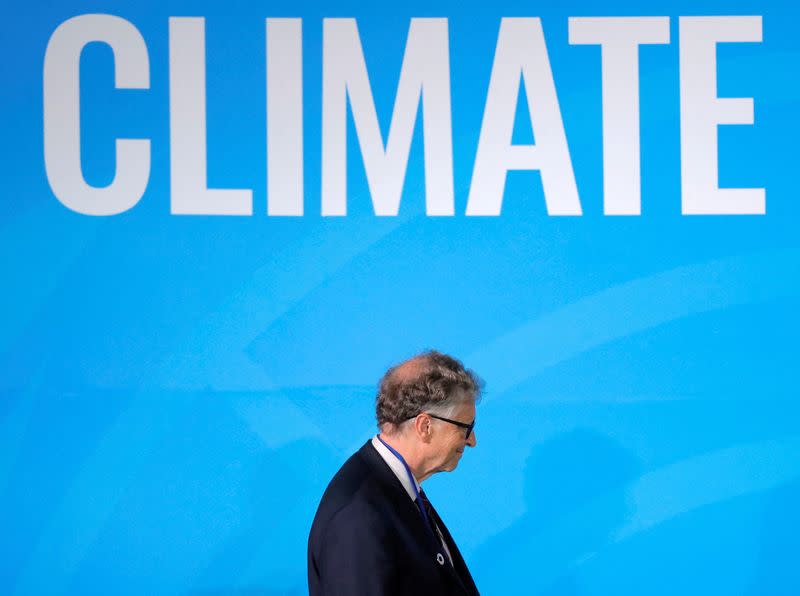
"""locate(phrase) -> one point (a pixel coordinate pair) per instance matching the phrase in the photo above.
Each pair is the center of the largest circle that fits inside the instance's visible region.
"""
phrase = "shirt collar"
(396, 466)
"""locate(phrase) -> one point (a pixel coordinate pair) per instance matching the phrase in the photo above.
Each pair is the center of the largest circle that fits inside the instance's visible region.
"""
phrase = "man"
(375, 532)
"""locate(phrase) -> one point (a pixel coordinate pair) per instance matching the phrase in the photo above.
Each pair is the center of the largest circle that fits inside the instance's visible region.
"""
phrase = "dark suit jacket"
(368, 538)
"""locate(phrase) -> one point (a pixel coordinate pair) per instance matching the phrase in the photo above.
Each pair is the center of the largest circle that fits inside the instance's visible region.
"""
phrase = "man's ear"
(423, 427)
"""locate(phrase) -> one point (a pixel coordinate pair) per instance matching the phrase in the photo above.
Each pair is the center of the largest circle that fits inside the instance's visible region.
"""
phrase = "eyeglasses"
(464, 425)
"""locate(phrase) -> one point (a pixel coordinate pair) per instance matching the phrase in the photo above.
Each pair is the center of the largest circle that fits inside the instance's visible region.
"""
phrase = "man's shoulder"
(355, 479)
(357, 488)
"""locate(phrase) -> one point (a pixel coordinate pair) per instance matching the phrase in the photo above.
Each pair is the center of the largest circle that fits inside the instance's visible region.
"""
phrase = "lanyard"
(421, 505)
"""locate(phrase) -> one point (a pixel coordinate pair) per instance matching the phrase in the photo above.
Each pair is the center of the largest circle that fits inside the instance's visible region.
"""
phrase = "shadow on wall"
(574, 504)
(777, 572)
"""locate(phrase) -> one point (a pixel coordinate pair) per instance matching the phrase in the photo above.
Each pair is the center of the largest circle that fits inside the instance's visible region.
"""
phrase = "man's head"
(416, 395)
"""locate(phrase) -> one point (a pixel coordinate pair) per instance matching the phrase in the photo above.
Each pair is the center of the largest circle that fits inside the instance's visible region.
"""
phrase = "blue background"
(177, 391)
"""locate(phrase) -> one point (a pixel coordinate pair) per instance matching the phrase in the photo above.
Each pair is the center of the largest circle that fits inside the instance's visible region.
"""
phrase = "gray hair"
(429, 382)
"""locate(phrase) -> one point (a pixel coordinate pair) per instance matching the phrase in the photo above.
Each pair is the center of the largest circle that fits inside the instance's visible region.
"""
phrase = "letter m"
(425, 73)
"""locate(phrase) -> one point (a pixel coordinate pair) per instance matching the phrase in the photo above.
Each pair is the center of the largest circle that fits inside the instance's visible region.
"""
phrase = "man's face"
(448, 442)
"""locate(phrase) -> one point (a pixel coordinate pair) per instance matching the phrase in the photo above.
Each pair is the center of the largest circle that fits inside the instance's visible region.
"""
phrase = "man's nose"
(473, 440)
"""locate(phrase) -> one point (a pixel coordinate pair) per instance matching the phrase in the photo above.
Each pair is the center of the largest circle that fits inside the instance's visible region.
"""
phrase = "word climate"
(520, 57)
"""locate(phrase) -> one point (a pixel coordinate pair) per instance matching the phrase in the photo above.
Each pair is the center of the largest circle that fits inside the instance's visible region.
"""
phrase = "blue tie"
(424, 502)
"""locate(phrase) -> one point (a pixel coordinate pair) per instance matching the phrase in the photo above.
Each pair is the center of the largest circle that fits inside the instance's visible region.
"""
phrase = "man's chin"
(452, 464)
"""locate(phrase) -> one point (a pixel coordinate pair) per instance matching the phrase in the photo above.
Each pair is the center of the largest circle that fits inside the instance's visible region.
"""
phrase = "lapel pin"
(440, 558)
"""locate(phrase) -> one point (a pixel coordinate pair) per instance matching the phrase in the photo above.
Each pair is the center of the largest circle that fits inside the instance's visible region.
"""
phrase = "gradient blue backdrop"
(177, 391)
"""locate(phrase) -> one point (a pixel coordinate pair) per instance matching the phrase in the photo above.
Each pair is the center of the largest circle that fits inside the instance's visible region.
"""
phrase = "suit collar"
(397, 467)
(383, 472)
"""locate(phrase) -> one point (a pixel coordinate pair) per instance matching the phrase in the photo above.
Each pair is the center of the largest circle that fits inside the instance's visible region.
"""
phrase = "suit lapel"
(413, 519)
(459, 568)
